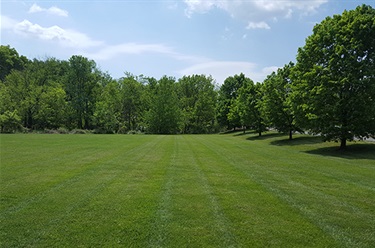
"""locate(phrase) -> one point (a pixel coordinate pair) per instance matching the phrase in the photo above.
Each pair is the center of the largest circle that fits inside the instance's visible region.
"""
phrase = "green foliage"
(330, 92)
(107, 115)
(133, 102)
(78, 131)
(336, 84)
(277, 104)
(227, 96)
(81, 86)
(197, 100)
(10, 122)
(164, 114)
(247, 106)
(36, 94)
(239, 111)
(10, 60)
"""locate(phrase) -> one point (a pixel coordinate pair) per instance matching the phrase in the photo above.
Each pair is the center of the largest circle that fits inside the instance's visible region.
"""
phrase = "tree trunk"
(87, 123)
(342, 143)
(290, 134)
(260, 128)
(79, 122)
(29, 120)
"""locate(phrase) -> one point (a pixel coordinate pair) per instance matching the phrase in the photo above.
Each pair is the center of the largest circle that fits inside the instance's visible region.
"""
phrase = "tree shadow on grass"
(353, 151)
(303, 140)
(241, 133)
(362, 150)
(265, 136)
(234, 131)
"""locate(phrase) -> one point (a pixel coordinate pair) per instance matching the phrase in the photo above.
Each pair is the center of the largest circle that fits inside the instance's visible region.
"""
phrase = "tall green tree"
(164, 114)
(108, 108)
(132, 97)
(197, 98)
(228, 93)
(336, 72)
(240, 109)
(247, 106)
(10, 120)
(10, 60)
(46, 79)
(36, 95)
(81, 89)
(277, 102)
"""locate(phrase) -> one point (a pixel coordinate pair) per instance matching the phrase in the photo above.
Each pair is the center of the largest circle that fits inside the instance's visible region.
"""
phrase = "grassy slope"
(173, 191)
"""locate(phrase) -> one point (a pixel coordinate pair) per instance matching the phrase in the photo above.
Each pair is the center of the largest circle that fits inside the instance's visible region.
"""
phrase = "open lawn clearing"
(185, 190)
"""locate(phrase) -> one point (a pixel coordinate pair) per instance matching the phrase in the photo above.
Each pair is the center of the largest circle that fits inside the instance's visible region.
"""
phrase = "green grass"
(228, 190)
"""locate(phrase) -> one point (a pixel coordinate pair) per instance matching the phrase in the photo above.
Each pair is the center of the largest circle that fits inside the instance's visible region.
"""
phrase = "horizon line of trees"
(329, 91)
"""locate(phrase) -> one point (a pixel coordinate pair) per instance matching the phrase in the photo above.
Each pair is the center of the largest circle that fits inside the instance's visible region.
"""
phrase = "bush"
(122, 130)
(135, 132)
(62, 130)
(10, 122)
(102, 131)
(78, 131)
(51, 131)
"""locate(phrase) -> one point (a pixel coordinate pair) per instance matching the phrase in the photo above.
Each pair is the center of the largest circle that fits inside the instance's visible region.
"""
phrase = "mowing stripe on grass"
(88, 188)
(261, 202)
(307, 199)
(163, 214)
(50, 208)
(186, 204)
(88, 169)
(226, 238)
(185, 190)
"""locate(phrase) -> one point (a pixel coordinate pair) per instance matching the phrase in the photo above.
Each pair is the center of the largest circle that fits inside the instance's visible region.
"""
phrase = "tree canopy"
(329, 91)
(335, 87)
(277, 104)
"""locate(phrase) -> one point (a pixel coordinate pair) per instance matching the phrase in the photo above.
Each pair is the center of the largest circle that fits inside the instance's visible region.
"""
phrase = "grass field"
(228, 190)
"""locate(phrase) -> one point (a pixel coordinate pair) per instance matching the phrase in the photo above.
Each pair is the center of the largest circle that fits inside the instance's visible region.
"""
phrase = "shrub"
(78, 131)
(122, 130)
(135, 132)
(10, 122)
(62, 130)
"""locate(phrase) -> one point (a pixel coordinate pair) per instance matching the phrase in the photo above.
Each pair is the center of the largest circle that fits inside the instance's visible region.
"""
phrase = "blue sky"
(175, 38)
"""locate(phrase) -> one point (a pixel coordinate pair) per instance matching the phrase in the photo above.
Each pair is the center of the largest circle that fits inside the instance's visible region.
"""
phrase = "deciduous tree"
(197, 98)
(247, 106)
(277, 102)
(336, 72)
(81, 85)
(164, 114)
(132, 98)
(10, 60)
(227, 95)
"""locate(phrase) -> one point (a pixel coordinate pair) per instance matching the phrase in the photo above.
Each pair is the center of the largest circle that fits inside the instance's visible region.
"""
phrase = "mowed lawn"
(228, 190)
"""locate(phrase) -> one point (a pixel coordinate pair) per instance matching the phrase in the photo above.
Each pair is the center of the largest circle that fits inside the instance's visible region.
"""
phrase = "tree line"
(75, 94)
(329, 91)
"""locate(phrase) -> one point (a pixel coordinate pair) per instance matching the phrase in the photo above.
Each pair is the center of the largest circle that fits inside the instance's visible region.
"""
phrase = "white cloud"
(256, 11)
(36, 8)
(220, 70)
(198, 6)
(52, 10)
(7, 23)
(270, 69)
(110, 52)
(65, 37)
(172, 5)
(258, 25)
